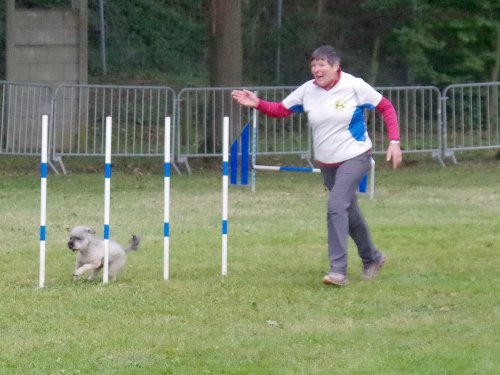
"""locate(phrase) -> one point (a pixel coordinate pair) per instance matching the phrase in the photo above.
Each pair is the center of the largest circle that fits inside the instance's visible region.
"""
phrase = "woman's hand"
(394, 155)
(245, 98)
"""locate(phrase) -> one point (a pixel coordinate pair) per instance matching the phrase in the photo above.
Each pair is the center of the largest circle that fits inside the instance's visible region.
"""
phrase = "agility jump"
(241, 166)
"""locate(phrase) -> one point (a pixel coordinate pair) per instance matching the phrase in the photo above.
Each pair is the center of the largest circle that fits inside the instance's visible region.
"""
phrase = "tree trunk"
(494, 78)
(226, 57)
(226, 60)
(318, 31)
(374, 62)
(496, 66)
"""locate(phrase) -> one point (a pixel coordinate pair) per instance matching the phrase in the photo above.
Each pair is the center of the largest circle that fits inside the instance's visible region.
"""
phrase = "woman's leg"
(342, 182)
(360, 233)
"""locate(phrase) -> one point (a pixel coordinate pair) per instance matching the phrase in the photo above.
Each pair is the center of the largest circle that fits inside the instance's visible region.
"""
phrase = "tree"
(225, 61)
(226, 56)
(448, 41)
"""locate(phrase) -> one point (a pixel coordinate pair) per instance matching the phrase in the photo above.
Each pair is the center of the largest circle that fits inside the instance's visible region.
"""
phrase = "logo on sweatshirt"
(340, 104)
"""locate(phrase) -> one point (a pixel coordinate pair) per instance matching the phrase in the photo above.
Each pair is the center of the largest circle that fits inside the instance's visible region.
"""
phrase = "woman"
(335, 102)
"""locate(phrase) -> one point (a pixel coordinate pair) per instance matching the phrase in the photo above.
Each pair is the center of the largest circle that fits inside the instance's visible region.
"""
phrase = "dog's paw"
(75, 277)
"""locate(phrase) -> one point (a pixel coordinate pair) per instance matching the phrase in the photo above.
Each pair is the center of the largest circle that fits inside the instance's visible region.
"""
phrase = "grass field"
(435, 308)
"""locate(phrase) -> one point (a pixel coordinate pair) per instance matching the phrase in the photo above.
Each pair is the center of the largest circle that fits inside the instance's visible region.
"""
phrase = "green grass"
(435, 308)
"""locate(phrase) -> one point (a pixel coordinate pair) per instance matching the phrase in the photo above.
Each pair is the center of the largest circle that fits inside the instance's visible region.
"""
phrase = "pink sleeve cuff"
(273, 109)
(388, 112)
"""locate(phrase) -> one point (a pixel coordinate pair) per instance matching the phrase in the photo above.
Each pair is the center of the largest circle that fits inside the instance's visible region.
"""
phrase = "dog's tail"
(134, 243)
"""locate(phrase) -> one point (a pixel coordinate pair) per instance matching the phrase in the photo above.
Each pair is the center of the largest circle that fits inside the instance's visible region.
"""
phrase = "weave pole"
(107, 197)
(225, 187)
(166, 202)
(43, 199)
(254, 146)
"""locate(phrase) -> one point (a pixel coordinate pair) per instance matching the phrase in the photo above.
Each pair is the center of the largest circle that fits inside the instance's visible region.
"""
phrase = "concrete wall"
(44, 46)
(47, 45)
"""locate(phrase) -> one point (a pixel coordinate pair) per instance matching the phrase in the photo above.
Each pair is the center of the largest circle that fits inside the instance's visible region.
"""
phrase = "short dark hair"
(328, 53)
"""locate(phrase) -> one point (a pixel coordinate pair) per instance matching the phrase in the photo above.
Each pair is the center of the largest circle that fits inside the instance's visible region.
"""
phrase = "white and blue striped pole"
(225, 191)
(285, 168)
(107, 198)
(166, 202)
(43, 199)
(254, 146)
(372, 178)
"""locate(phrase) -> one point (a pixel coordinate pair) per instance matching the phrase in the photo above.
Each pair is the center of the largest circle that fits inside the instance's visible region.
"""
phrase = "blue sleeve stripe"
(225, 168)
(297, 108)
(107, 170)
(106, 232)
(166, 169)
(166, 229)
(42, 233)
(43, 170)
(224, 226)
(357, 126)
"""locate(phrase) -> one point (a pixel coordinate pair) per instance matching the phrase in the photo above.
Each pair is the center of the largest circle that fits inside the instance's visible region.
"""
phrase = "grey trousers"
(344, 218)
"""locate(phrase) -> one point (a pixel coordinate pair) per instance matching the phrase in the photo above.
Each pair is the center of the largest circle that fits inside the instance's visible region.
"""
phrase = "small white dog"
(91, 253)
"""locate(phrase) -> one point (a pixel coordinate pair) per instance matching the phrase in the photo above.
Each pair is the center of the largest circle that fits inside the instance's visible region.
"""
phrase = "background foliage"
(389, 42)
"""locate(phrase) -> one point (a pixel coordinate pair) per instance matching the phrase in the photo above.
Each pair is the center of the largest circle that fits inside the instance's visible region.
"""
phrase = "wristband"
(394, 142)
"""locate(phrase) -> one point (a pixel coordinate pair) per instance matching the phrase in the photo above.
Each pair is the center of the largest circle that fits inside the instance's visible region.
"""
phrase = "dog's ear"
(90, 230)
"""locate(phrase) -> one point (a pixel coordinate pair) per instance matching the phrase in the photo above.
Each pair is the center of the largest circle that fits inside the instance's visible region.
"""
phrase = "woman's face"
(323, 72)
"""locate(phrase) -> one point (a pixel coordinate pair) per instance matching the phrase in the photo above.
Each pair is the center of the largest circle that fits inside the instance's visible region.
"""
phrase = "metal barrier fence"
(463, 117)
(138, 114)
(200, 113)
(22, 107)
(471, 117)
(419, 115)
